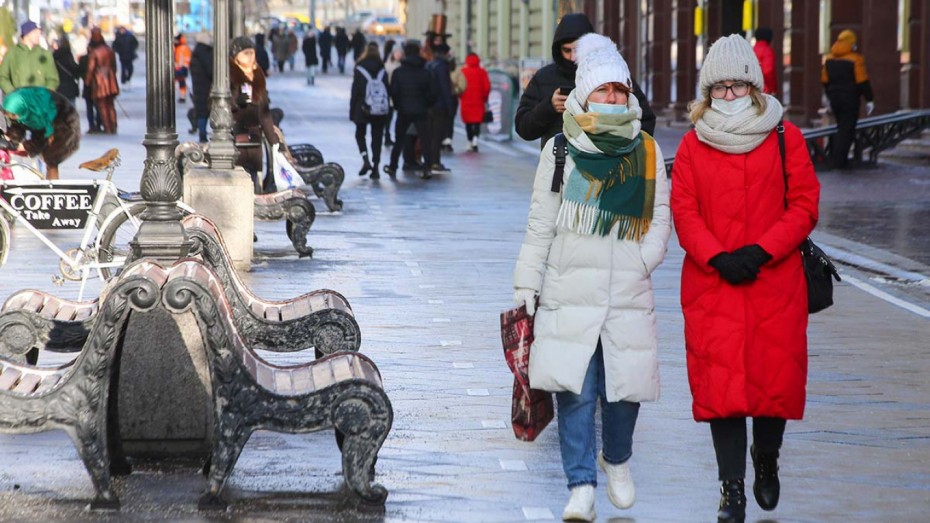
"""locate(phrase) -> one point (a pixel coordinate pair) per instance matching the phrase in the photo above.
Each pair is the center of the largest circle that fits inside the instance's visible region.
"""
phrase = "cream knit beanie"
(731, 58)
(598, 63)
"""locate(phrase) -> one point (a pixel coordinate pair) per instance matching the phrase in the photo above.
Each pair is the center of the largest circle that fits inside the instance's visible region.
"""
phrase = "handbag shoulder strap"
(560, 149)
(780, 129)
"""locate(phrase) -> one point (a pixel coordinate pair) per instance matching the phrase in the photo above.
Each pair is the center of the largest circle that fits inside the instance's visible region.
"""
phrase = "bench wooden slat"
(35, 302)
(265, 377)
(66, 312)
(302, 380)
(48, 382)
(9, 378)
(16, 301)
(322, 375)
(272, 313)
(282, 382)
(85, 311)
(288, 312)
(342, 370)
(28, 383)
(302, 308)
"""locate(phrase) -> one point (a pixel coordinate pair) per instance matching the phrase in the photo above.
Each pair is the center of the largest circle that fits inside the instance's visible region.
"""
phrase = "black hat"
(239, 44)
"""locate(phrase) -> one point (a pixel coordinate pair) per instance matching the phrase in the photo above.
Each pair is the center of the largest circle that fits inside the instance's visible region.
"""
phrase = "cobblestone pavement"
(427, 267)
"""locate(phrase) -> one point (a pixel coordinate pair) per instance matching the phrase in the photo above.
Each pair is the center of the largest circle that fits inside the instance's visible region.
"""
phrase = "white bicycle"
(108, 217)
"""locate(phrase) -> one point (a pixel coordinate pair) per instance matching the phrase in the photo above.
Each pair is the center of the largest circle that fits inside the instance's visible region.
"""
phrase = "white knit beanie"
(731, 58)
(598, 63)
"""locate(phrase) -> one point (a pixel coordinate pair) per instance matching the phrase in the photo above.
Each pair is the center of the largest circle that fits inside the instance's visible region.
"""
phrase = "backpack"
(376, 97)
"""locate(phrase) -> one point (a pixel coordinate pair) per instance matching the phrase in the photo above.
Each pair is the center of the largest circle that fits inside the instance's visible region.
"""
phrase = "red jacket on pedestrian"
(746, 344)
(475, 96)
(766, 57)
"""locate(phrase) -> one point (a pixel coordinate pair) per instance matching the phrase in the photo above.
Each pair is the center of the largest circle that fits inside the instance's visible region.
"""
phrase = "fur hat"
(731, 58)
(598, 62)
(239, 44)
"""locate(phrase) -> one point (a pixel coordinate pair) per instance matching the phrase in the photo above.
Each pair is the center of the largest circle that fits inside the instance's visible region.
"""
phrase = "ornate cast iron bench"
(341, 391)
(320, 319)
(324, 178)
(75, 397)
(323, 320)
(291, 205)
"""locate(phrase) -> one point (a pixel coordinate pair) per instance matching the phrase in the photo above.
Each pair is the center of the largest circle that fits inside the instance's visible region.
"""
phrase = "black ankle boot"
(366, 165)
(732, 502)
(766, 488)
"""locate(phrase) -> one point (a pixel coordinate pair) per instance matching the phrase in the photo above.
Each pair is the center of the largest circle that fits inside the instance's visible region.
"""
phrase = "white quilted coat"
(591, 287)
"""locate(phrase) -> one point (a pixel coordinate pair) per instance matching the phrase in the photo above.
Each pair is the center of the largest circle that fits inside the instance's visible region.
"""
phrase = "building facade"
(664, 41)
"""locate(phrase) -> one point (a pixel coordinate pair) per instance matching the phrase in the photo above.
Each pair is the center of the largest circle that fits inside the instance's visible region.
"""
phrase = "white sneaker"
(580, 505)
(620, 489)
(474, 142)
(447, 142)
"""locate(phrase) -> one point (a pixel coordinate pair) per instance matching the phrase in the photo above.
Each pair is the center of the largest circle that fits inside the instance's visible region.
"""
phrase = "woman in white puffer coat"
(588, 254)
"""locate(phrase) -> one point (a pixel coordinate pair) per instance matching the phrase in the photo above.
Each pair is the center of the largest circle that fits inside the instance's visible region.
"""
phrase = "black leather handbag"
(819, 271)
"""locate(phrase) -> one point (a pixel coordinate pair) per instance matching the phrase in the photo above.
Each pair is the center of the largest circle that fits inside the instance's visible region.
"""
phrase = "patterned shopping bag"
(532, 409)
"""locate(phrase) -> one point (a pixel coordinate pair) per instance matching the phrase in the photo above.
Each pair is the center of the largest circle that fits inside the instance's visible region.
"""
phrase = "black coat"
(309, 49)
(326, 42)
(342, 42)
(125, 46)
(358, 44)
(412, 90)
(202, 78)
(68, 73)
(359, 84)
(536, 118)
(440, 73)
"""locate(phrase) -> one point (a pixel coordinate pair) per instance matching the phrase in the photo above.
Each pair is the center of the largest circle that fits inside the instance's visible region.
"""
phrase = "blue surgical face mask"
(607, 108)
(731, 107)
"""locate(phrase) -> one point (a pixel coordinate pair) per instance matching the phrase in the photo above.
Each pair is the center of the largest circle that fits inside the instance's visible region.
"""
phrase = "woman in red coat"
(743, 291)
(474, 98)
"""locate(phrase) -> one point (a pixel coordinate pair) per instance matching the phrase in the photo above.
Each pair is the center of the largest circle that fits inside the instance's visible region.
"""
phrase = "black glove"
(753, 255)
(732, 268)
(242, 100)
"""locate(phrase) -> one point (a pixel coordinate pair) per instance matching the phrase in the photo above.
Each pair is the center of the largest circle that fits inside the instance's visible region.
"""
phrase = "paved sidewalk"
(427, 267)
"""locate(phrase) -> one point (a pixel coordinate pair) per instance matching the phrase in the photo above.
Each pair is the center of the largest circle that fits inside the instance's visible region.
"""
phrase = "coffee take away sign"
(51, 207)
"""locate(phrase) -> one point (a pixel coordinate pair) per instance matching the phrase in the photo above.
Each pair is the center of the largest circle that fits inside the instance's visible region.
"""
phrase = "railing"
(873, 136)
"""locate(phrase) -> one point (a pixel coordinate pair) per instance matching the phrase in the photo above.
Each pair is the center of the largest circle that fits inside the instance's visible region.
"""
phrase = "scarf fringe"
(586, 219)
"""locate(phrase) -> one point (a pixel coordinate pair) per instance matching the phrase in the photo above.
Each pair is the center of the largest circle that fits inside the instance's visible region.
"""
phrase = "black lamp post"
(222, 148)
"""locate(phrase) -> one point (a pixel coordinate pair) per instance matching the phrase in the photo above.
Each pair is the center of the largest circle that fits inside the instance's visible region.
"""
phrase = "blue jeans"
(576, 426)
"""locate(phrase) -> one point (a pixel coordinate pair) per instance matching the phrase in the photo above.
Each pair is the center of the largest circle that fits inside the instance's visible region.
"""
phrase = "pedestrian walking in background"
(587, 258)
(474, 98)
(766, 56)
(292, 46)
(101, 77)
(539, 114)
(251, 115)
(369, 106)
(182, 63)
(68, 69)
(358, 45)
(342, 48)
(443, 109)
(326, 48)
(308, 46)
(261, 54)
(94, 125)
(743, 291)
(44, 123)
(27, 63)
(459, 84)
(279, 49)
(413, 93)
(202, 81)
(125, 46)
(392, 56)
(845, 81)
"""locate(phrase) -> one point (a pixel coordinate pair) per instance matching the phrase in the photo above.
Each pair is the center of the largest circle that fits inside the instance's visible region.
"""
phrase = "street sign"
(46, 206)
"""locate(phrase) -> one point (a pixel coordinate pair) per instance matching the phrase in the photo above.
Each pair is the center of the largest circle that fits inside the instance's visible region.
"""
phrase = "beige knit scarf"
(742, 132)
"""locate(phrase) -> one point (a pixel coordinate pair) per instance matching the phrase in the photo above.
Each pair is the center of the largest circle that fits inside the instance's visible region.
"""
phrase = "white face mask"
(731, 107)
(607, 108)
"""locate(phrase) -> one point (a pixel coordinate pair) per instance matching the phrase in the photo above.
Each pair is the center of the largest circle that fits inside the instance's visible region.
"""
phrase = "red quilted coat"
(476, 93)
(746, 344)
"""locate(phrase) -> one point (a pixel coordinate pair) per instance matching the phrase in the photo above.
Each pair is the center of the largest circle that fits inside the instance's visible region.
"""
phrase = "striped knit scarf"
(613, 181)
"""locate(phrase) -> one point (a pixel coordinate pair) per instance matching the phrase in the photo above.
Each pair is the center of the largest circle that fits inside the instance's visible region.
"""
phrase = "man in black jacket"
(125, 45)
(413, 93)
(202, 82)
(539, 114)
(442, 112)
